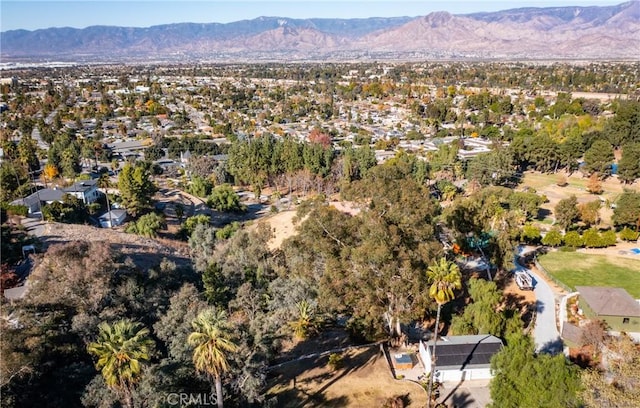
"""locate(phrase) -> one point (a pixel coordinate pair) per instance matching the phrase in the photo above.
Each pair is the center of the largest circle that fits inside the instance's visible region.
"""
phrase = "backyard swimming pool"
(635, 251)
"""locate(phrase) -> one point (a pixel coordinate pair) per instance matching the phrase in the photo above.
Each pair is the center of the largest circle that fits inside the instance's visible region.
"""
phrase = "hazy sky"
(34, 14)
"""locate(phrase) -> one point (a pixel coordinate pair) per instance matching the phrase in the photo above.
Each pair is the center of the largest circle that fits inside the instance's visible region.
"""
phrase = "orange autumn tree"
(50, 172)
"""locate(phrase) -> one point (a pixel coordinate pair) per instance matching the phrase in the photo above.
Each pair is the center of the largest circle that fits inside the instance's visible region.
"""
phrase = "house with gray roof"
(614, 306)
(461, 357)
(86, 191)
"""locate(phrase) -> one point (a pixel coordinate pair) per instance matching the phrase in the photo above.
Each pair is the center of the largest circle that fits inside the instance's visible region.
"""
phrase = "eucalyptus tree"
(368, 264)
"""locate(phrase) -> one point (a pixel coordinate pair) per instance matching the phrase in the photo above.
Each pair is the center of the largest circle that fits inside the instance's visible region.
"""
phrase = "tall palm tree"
(211, 338)
(444, 277)
(120, 349)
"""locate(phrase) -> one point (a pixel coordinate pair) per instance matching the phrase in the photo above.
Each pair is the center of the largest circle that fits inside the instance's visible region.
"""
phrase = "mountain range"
(611, 32)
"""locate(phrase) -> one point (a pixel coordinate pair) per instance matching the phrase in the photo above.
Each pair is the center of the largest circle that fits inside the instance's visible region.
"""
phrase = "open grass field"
(580, 269)
(363, 381)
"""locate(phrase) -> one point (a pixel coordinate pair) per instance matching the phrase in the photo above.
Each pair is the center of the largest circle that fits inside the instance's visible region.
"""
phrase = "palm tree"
(120, 349)
(212, 340)
(305, 324)
(444, 277)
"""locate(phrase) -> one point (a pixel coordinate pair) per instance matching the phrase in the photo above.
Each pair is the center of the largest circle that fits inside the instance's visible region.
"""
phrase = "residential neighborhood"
(341, 234)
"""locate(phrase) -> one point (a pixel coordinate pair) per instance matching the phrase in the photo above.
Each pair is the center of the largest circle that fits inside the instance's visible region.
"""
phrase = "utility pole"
(106, 195)
(33, 182)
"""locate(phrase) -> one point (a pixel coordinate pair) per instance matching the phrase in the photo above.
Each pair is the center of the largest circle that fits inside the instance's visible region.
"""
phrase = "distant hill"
(539, 33)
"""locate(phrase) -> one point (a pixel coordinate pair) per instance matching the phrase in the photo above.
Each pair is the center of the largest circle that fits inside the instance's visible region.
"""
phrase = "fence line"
(324, 353)
(551, 277)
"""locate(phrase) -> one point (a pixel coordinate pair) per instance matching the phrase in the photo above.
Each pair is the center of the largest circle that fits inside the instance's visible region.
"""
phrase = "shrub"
(627, 234)
(573, 239)
(20, 210)
(200, 186)
(553, 238)
(336, 361)
(148, 225)
(609, 238)
(530, 233)
(186, 229)
(395, 402)
(562, 180)
(593, 239)
(567, 249)
(223, 198)
(227, 231)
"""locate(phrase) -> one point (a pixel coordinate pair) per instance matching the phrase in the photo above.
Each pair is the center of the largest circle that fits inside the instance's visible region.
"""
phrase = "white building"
(461, 357)
(112, 218)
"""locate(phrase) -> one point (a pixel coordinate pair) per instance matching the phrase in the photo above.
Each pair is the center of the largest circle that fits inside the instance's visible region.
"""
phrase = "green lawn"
(578, 269)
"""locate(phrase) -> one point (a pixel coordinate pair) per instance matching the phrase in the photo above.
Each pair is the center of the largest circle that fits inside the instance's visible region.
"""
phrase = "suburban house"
(86, 191)
(113, 218)
(614, 306)
(461, 357)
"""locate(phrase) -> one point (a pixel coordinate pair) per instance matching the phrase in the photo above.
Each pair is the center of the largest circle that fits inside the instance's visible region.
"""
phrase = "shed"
(614, 306)
(113, 218)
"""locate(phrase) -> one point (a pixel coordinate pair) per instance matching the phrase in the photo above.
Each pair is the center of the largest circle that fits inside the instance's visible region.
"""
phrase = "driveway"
(545, 333)
(466, 394)
(34, 226)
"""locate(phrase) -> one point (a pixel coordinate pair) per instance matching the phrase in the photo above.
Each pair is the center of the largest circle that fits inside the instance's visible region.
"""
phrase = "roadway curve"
(545, 332)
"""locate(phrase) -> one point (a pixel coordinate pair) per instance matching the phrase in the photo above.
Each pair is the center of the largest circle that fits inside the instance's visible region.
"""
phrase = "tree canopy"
(136, 187)
(524, 379)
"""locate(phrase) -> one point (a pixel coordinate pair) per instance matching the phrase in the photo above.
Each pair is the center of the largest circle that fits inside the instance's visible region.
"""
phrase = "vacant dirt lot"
(143, 251)
(281, 225)
(364, 381)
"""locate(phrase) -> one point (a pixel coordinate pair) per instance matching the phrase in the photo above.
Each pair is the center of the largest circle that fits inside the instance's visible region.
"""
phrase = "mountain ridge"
(607, 32)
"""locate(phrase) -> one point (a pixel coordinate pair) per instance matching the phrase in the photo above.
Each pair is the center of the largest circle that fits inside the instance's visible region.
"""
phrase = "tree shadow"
(329, 338)
(583, 360)
(47, 240)
(361, 361)
(303, 392)
(453, 391)
(514, 301)
(542, 214)
(313, 353)
(552, 347)
(462, 399)
(253, 212)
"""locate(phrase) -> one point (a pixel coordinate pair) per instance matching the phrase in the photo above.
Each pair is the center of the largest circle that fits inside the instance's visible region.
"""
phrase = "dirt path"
(281, 225)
